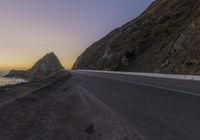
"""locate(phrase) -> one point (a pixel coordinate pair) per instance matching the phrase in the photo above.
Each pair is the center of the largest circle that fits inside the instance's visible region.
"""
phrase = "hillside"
(165, 38)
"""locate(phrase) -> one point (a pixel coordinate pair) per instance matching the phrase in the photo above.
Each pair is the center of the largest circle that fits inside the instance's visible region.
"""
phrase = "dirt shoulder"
(59, 111)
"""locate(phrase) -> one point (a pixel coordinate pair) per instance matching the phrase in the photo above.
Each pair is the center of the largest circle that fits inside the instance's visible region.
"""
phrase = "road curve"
(158, 108)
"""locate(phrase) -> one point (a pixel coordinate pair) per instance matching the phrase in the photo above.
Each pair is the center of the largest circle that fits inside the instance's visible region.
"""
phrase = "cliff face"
(165, 38)
(46, 67)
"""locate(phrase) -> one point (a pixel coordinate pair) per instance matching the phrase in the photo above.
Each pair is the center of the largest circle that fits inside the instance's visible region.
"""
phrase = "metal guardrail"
(158, 75)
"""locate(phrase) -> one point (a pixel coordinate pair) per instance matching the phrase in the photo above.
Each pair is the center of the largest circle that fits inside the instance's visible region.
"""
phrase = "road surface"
(57, 109)
(158, 108)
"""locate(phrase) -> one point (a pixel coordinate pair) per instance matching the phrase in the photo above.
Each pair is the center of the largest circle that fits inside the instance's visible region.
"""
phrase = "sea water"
(9, 81)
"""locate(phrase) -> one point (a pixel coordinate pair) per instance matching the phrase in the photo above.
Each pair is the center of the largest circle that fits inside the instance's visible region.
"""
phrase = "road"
(158, 108)
(55, 109)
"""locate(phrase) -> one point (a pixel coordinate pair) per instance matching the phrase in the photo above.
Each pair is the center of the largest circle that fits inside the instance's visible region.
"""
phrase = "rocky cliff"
(46, 67)
(165, 38)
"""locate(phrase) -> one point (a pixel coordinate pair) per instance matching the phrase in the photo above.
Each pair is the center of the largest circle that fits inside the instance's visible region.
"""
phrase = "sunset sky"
(31, 28)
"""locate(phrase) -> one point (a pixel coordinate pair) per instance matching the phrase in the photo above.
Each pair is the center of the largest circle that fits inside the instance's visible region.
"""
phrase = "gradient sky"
(31, 28)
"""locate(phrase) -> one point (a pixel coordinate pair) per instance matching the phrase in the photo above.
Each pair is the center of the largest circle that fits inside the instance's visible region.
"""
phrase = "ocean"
(9, 81)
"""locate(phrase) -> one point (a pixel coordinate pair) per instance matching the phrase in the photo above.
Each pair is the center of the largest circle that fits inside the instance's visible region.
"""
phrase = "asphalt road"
(158, 108)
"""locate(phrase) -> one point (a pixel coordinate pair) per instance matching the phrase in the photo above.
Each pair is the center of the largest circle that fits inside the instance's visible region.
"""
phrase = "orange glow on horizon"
(7, 65)
(30, 29)
(8, 68)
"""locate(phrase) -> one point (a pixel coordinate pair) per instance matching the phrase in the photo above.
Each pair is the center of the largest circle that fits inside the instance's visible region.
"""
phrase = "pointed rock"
(48, 66)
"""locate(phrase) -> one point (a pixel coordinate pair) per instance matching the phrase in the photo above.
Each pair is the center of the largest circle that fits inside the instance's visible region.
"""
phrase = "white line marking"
(149, 85)
(160, 87)
(111, 110)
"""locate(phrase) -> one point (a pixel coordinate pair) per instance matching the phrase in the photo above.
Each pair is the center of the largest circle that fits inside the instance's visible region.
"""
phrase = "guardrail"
(158, 75)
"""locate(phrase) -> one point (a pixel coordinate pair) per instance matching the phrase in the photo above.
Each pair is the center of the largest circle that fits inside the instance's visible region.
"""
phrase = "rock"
(90, 129)
(46, 67)
(16, 73)
(168, 28)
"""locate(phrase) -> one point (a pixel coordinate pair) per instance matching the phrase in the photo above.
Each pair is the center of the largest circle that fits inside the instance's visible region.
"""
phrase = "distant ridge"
(46, 67)
(164, 39)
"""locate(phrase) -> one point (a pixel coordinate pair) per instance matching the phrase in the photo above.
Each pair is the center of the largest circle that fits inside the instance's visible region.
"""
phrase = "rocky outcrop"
(46, 67)
(17, 73)
(165, 38)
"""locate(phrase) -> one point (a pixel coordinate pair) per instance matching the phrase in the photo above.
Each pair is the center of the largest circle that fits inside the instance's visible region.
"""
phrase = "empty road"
(158, 108)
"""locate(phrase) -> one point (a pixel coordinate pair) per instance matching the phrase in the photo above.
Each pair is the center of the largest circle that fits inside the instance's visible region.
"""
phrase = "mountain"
(46, 67)
(165, 38)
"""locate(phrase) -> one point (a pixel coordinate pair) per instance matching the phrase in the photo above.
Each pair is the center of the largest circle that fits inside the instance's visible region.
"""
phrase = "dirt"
(58, 110)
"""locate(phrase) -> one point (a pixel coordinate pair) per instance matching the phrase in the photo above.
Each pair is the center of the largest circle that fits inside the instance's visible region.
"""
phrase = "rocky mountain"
(165, 38)
(46, 67)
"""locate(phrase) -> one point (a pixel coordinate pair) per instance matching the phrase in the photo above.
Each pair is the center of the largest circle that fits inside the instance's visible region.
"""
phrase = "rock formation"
(165, 38)
(46, 67)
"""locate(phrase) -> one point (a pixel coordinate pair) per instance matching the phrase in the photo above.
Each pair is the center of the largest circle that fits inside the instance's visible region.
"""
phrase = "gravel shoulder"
(58, 110)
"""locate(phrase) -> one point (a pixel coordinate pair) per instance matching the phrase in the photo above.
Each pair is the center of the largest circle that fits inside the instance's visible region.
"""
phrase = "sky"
(31, 28)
